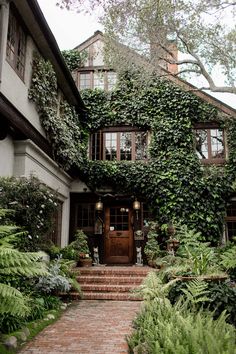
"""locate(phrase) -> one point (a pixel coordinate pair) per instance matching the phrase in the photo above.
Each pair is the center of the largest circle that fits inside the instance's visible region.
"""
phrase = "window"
(111, 80)
(16, 45)
(122, 145)
(85, 81)
(210, 144)
(85, 217)
(98, 80)
(55, 233)
(231, 220)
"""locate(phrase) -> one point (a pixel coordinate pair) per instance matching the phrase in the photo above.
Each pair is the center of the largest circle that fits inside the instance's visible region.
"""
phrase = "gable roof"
(98, 35)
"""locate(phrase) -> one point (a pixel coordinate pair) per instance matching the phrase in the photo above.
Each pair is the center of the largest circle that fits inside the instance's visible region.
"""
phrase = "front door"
(118, 235)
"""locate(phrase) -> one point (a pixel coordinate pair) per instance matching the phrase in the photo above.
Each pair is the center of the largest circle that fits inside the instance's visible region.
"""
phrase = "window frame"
(19, 35)
(230, 218)
(209, 127)
(101, 153)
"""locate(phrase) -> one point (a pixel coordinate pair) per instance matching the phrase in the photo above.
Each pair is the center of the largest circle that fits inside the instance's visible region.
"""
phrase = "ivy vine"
(58, 118)
(173, 182)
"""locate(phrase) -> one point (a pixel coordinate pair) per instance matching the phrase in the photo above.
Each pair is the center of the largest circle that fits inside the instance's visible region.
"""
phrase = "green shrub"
(161, 328)
(33, 205)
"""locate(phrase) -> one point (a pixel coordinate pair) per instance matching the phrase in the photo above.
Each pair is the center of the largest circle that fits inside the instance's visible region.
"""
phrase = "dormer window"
(120, 145)
(210, 144)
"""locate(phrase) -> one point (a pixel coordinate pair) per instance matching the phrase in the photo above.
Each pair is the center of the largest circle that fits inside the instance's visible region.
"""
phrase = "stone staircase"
(110, 282)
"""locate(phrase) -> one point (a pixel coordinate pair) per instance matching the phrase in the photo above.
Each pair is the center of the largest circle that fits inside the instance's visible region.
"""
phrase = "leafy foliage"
(33, 206)
(173, 181)
(162, 328)
(74, 58)
(14, 262)
(58, 117)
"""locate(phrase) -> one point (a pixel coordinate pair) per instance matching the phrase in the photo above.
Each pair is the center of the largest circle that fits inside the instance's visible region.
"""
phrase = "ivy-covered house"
(125, 153)
(25, 145)
(162, 151)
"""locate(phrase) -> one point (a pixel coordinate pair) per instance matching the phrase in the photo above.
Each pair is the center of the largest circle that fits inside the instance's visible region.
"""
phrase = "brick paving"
(88, 327)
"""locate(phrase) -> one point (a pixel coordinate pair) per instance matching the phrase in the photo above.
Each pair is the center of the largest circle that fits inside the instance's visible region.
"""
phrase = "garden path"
(88, 327)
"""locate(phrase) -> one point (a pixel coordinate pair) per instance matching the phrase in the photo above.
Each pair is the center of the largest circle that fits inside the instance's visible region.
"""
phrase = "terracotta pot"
(85, 262)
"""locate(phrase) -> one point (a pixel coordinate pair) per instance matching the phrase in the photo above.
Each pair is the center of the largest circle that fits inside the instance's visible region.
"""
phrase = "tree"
(201, 29)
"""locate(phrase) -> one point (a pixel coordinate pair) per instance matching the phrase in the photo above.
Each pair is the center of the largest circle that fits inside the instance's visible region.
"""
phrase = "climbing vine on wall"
(58, 117)
(173, 182)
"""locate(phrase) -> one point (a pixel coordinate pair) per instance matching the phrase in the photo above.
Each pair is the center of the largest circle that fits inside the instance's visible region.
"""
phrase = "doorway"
(118, 235)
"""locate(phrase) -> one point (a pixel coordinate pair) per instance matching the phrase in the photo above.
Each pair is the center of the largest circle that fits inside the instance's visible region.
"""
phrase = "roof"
(48, 47)
(178, 81)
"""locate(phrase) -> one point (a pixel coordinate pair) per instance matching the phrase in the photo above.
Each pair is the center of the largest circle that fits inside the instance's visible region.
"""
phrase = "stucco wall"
(16, 90)
(6, 157)
(30, 160)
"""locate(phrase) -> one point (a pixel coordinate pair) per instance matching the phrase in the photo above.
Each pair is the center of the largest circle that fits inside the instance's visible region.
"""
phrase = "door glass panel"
(119, 219)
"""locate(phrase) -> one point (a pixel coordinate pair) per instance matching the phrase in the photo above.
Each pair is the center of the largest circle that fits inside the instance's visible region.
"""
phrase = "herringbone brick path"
(89, 327)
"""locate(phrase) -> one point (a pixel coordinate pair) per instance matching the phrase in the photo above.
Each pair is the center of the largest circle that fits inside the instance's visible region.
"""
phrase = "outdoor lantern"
(99, 205)
(136, 206)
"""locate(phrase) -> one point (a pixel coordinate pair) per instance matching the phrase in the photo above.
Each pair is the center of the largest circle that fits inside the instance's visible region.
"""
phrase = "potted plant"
(81, 243)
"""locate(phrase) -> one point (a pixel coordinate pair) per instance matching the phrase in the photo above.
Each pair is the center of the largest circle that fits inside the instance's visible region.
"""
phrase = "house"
(152, 147)
(24, 147)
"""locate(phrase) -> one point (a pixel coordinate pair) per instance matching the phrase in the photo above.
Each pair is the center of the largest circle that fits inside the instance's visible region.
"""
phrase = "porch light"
(136, 205)
(99, 205)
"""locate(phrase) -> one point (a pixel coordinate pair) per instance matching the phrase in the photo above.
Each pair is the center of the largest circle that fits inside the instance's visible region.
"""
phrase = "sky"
(70, 29)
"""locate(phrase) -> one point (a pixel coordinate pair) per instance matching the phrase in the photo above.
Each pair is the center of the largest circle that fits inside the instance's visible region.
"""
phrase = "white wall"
(30, 160)
(6, 157)
(16, 90)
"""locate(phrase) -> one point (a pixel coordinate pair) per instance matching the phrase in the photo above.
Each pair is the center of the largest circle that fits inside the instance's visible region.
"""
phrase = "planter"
(85, 262)
(219, 277)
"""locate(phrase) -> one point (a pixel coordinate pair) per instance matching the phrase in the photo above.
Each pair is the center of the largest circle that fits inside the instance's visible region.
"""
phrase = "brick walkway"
(89, 327)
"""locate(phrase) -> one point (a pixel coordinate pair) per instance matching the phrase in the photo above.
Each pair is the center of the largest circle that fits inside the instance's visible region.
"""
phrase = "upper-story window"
(85, 80)
(104, 80)
(210, 144)
(119, 145)
(16, 44)
(98, 80)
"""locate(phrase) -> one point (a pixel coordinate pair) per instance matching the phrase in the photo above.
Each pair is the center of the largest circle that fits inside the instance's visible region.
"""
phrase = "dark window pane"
(202, 144)
(16, 45)
(125, 146)
(110, 141)
(217, 143)
(85, 215)
(140, 145)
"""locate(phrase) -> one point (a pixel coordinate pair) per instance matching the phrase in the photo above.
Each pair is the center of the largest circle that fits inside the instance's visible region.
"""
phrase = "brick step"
(110, 271)
(106, 288)
(98, 279)
(110, 296)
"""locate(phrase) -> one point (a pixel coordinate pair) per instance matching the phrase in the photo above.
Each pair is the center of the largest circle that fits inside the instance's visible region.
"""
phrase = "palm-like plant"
(15, 263)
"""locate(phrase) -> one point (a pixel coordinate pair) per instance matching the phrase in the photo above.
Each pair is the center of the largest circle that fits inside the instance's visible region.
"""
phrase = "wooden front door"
(118, 235)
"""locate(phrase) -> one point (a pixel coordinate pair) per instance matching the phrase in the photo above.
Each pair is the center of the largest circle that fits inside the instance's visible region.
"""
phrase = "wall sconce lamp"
(136, 206)
(99, 205)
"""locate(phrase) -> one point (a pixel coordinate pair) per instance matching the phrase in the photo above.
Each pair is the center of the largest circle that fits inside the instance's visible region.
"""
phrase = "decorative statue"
(139, 256)
(95, 256)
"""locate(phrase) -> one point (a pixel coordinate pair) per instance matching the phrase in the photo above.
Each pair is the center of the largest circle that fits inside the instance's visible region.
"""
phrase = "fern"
(196, 292)
(228, 258)
(15, 263)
